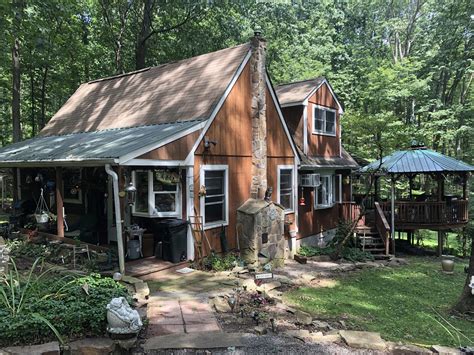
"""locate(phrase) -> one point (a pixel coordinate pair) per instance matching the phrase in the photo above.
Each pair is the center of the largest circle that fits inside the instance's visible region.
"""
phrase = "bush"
(216, 262)
(313, 251)
(74, 307)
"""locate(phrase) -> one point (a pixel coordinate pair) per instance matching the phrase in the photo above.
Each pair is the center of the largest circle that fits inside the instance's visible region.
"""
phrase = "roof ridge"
(302, 81)
(118, 76)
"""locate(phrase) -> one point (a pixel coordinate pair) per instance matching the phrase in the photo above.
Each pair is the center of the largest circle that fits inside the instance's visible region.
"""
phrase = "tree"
(18, 6)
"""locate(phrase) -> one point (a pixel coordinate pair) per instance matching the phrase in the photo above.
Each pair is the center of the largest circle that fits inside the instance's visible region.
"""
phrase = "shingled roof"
(174, 92)
(298, 91)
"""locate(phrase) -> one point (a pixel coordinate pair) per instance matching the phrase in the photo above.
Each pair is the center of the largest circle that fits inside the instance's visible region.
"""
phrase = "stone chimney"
(259, 123)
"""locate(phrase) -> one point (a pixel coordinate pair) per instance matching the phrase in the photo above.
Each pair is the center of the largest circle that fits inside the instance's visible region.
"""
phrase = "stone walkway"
(179, 316)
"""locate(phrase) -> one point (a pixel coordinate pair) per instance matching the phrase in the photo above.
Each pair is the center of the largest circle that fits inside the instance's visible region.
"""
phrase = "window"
(324, 120)
(158, 193)
(285, 192)
(215, 203)
(324, 194)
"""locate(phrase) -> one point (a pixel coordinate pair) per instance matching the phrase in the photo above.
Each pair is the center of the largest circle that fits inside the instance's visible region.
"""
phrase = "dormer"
(312, 112)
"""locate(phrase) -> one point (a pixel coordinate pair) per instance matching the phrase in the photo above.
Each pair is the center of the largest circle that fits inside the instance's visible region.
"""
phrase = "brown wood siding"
(321, 145)
(232, 130)
(294, 120)
(313, 221)
(278, 144)
(177, 150)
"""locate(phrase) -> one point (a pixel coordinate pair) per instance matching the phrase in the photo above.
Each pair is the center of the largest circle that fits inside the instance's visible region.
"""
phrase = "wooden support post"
(392, 224)
(376, 189)
(440, 243)
(464, 186)
(59, 202)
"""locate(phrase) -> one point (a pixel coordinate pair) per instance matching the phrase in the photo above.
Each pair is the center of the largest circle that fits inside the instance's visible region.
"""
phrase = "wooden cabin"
(313, 115)
(184, 134)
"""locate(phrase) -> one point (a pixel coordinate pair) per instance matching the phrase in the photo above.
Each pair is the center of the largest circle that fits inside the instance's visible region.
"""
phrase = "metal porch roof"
(417, 161)
(98, 146)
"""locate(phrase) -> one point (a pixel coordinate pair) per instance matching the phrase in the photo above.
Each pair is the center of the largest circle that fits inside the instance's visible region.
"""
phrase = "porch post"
(190, 209)
(393, 215)
(440, 198)
(464, 186)
(376, 188)
(59, 202)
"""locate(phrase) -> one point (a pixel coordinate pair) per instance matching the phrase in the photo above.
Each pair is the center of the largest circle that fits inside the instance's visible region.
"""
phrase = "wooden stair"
(369, 240)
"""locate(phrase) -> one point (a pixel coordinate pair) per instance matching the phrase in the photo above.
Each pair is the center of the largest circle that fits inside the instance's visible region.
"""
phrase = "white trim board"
(202, 170)
(294, 188)
(190, 158)
(153, 162)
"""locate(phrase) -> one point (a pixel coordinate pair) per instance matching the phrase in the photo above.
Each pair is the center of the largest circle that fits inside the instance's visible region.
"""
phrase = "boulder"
(439, 349)
(303, 318)
(51, 348)
(260, 330)
(92, 346)
(365, 340)
(325, 338)
(408, 349)
(221, 305)
(301, 334)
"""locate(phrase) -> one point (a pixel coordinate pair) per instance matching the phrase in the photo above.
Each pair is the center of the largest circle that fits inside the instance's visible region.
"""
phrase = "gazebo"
(438, 211)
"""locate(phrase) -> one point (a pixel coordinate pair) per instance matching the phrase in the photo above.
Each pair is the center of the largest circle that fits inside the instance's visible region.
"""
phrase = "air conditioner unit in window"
(310, 180)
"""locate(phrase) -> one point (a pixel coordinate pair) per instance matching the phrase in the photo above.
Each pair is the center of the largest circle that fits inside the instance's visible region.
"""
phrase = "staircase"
(374, 235)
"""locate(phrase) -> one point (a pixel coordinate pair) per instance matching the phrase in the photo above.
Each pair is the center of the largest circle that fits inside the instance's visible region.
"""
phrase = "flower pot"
(42, 218)
(447, 264)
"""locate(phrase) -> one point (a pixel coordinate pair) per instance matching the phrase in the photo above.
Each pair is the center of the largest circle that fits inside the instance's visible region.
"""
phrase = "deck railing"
(433, 213)
(382, 225)
(350, 211)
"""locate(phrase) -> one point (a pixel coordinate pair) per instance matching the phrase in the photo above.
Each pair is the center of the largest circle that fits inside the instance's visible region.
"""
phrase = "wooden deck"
(437, 215)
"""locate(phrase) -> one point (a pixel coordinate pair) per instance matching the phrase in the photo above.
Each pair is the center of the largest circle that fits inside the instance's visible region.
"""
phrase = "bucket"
(133, 250)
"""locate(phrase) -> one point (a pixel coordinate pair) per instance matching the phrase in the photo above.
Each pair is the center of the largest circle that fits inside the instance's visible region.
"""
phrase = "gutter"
(118, 218)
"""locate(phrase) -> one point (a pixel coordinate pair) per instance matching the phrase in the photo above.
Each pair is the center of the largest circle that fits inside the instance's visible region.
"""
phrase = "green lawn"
(401, 302)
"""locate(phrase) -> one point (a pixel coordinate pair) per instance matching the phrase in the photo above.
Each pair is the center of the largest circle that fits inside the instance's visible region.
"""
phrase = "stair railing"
(382, 226)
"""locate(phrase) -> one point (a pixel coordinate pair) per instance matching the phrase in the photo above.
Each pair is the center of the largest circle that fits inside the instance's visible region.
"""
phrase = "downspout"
(118, 218)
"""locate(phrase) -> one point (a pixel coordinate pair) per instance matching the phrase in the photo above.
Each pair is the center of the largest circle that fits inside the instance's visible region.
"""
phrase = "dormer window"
(324, 120)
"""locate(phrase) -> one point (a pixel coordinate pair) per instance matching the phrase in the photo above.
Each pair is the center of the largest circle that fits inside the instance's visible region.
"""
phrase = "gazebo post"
(393, 214)
(440, 199)
(59, 202)
(376, 188)
(464, 186)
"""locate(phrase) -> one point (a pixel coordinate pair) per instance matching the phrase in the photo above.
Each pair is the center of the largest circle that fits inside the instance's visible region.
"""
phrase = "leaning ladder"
(199, 235)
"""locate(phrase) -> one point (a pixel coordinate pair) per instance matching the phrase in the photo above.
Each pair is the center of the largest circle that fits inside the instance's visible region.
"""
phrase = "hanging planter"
(42, 211)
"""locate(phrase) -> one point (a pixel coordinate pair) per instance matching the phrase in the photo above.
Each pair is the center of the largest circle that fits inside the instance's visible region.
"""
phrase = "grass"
(405, 303)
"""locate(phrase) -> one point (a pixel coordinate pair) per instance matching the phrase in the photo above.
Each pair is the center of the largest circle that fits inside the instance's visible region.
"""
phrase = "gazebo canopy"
(418, 160)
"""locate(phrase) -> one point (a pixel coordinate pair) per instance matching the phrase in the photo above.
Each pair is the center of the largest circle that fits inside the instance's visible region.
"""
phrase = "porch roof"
(417, 161)
(345, 161)
(94, 148)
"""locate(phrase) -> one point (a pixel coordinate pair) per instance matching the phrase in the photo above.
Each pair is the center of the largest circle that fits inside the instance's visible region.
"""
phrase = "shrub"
(74, 307)
(313, 251)
(216, 262)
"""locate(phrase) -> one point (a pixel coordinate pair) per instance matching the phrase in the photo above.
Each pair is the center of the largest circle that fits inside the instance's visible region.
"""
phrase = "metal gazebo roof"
(416, 161)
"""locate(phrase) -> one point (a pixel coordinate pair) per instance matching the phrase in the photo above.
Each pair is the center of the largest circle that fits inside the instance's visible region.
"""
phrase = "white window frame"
(323, 131)
(292, 199)
(202, 174)
(331, 190)
(152, 212)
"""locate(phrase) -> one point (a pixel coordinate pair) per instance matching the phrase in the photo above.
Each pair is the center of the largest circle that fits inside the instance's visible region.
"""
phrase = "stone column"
(259, 123)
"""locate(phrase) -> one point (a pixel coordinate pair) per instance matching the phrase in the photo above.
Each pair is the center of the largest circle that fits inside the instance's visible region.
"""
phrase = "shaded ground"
(410, 303)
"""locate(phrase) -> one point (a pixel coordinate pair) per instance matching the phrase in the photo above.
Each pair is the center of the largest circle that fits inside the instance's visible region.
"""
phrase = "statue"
(121, 318)
(268, 194)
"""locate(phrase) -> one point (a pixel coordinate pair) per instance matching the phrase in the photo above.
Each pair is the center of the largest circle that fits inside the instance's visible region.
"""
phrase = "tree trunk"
(16, 90)
(32, 103)
(466, 302)
(43, 98)
(141, 46)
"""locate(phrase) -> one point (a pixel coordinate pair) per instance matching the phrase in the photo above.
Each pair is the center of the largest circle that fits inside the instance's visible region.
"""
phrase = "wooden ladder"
(199, 235)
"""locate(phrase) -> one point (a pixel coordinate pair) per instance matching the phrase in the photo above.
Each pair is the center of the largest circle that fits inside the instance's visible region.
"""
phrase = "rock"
(342, 323)
(322, 325)
(365, 340)
(275, 294)
(326, 338)
(92, 346)
(141, 290)
(397, 261)
(238, 269)
(260, 330)
(221, 305)
(248, 284)
(269, 286)
(301, 259)
(303, 318)
(51, 348)
(301, 334)
(439, 349)
(244, 271)
(126, 344)
(408, 349)
(130, 280)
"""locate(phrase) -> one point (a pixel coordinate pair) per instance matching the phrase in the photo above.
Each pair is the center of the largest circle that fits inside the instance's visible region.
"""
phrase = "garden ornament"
(471, 285)
(121, 318)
